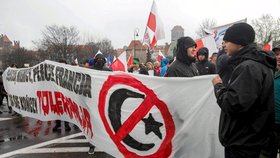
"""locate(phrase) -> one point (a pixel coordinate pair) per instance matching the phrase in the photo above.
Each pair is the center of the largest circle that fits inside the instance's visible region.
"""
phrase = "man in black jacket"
(204, 66)
(184, 65)
(247, 103)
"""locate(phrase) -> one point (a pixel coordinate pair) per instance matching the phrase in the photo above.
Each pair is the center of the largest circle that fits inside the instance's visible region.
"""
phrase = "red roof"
(137, 45)
(5, 39)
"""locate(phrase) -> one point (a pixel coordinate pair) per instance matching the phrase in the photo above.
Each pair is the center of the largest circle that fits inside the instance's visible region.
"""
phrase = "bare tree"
(267, 29)
(59, 42)
(92, 46)
(105, 46)
(205, 24)
(19, 56)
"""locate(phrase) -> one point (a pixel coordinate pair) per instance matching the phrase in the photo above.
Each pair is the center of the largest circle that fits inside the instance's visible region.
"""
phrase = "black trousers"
(242, 153)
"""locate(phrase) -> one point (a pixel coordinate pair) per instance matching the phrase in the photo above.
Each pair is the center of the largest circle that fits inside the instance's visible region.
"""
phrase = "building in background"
(6, 47)
(6, 43)
(138, 50)
(176, 33)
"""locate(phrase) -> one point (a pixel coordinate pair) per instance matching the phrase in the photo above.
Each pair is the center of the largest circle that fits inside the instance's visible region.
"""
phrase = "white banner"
(125, 115)
(219, 32)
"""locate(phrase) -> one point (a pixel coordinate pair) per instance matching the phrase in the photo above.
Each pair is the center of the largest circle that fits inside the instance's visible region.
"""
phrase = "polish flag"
(120, 63)
(129, 61)
(160, 56)
(154, 30)
(208, 42)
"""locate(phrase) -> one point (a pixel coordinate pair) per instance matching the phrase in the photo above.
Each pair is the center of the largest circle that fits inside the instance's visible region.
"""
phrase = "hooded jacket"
(205, 67)
(247, 104)
(99, 62)
(184, 65)
(163, 64)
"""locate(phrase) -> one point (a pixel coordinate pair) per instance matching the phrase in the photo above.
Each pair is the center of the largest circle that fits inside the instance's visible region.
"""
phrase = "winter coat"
(205, 67)
(247, 104)
(163, 64)
(184, 65)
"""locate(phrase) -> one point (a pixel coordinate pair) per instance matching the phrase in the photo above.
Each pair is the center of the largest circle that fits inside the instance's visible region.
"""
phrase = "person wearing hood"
(99, 63)
(163, 63)
(204, 66)
(184, 65)
(247, 103)
(213, 58)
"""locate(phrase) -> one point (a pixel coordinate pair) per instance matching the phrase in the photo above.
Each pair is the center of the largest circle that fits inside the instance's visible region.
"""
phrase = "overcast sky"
(116, 20)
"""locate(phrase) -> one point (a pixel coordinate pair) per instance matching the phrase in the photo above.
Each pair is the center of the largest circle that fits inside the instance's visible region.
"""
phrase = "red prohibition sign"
(151, 100)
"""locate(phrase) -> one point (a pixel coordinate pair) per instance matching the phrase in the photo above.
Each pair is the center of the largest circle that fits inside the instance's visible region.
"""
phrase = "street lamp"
(135, 34)
(65, 44)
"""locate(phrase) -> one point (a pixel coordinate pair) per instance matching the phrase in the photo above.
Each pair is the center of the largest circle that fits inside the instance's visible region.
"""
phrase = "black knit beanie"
(241, 33)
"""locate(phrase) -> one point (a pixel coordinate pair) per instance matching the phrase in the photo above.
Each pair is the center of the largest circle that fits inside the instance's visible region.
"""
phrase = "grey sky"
(117, 19)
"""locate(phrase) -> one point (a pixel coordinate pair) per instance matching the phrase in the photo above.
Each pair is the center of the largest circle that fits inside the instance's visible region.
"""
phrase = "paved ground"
(23, 137)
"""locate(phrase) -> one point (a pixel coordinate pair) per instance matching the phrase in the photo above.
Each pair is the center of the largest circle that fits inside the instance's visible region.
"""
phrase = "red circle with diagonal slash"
(151, 100)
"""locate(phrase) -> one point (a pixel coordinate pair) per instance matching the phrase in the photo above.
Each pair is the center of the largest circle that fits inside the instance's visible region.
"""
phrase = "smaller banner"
(219, 32)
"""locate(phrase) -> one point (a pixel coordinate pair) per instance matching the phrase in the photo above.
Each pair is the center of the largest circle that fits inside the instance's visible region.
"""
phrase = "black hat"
(241, 33)
(276, 48)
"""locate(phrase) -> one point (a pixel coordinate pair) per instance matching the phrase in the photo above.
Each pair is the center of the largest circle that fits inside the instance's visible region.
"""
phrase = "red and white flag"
(208, 42)
(154, 30)
(160, 56)
(129, 61)
(120, 64)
